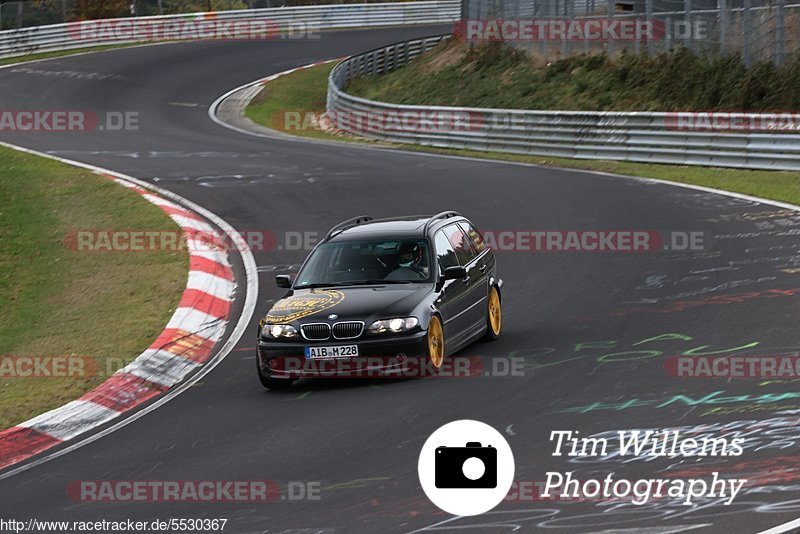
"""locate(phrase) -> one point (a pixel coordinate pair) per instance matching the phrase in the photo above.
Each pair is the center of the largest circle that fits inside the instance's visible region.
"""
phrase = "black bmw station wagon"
(382, 291)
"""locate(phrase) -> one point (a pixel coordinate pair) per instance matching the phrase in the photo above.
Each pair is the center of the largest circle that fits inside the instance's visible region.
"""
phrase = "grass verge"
(495, 75)
(306, 90)
(56, 301)
(301, 91)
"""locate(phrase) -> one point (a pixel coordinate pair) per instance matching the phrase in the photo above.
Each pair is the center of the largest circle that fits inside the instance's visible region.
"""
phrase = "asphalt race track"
(594, 329)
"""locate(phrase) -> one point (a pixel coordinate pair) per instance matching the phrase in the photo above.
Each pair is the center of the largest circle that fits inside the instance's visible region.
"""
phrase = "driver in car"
(410, 265)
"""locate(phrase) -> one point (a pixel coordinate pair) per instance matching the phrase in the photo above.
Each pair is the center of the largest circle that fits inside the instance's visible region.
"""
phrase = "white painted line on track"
(791, 526)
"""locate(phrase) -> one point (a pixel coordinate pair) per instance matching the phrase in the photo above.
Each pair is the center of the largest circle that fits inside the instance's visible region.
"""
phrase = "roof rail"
(349, 223)
(442, 215)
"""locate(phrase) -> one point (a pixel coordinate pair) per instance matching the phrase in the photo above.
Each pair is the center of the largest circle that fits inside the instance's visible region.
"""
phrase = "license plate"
(338, 351)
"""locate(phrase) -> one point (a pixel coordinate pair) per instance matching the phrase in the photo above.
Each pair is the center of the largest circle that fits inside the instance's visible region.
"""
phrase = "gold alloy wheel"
(495, 312)
(436, 342)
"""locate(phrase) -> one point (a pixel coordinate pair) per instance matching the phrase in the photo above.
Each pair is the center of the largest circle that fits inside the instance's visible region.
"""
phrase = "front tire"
(494, 315)
(272, 383)
(434, 342)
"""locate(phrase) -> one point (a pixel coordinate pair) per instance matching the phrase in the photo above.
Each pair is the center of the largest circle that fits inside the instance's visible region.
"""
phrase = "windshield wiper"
(317, 284)
(375, 282)
(355, 283)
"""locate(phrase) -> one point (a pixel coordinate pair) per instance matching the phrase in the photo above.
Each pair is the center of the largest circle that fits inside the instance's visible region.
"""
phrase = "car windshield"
(380, 261)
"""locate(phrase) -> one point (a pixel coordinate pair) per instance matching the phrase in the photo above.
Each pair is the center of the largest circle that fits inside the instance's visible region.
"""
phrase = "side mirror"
(283, 280)
(454, 273)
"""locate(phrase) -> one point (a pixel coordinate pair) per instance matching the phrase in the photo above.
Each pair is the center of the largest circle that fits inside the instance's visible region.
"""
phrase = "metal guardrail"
(627, 136)
(179, 27)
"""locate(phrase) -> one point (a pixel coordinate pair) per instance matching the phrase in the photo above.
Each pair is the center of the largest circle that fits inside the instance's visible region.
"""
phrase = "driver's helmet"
(409, 255)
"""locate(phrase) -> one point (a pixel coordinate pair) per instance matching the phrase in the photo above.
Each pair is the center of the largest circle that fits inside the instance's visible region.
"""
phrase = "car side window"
(474, 236)
(461, 243)
(445, 253)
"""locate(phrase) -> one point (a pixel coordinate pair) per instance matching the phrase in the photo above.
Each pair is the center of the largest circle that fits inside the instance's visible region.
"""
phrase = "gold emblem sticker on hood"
(299, 306)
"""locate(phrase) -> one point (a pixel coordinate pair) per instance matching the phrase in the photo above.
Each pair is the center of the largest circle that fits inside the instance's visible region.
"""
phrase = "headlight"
(400, 324)
(277, 331)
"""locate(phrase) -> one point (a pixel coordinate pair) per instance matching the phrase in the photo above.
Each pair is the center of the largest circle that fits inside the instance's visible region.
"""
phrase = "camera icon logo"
(472, 466)
(466, 467)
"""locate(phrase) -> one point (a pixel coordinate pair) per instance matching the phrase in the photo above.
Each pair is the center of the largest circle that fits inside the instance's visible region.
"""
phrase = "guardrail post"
(569, 12)
(780, 20)
(611, 16)
(637, 43)
(586, 17)
(542, 40)
(668, 34)
(687, 21)
(723, 26)
(563, 14)
(479, 14)
(465, 5)
(648, 14)
(746, 33)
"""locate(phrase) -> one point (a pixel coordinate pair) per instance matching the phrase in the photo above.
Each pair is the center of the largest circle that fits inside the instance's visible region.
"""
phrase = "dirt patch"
(453, 54)
(506, 76)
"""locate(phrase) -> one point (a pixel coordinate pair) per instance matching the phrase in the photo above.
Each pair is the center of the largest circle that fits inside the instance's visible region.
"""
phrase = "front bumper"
(384, 356)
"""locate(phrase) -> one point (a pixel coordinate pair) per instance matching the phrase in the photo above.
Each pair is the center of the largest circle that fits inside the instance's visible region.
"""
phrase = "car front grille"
(348, 329)
(316, 331)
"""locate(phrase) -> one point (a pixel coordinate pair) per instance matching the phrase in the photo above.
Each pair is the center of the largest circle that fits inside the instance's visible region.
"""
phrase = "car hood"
(363, 303)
